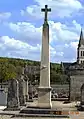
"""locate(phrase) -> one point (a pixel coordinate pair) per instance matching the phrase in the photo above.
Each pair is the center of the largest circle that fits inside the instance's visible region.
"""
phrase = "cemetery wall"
(76, 82)
(60, 88)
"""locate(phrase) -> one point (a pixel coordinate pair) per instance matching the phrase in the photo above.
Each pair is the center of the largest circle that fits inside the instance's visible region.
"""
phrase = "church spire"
(81, 40)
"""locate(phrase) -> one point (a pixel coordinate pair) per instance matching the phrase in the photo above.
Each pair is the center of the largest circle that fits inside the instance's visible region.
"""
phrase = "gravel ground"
(56, 104)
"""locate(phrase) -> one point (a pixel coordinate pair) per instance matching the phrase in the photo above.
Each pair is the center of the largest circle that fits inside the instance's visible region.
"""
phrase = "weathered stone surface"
(26, 90)
(13, 96)
(82, 95)
(30, 92)
(75, 87)
(22, 92)
(22, 88)
(44, 96)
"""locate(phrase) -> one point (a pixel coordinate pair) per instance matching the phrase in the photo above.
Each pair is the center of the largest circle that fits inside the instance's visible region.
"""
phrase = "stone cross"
(44, 89)
(46, 10)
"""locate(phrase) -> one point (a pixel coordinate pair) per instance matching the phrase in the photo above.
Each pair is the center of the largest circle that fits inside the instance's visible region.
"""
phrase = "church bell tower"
(80, 49)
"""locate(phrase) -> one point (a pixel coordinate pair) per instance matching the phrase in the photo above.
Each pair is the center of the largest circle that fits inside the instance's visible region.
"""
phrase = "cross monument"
(44, 89)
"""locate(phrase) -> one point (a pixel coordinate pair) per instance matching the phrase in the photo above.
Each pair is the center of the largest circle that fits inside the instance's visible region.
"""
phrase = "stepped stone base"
(42, 112)
(16, 114)
(41, 115)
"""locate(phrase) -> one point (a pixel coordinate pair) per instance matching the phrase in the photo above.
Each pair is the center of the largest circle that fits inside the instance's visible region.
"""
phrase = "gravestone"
(3, 98)
(26, 83)
(26, 90)
(13, 96)
(30, 92)
(22, 89)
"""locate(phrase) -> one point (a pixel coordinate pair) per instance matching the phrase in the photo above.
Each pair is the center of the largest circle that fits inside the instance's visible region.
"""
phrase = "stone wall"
(57, 88)
(60, 88)
(75, 89)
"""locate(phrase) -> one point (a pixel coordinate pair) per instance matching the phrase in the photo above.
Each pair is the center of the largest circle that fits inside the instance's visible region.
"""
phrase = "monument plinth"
(44, 89)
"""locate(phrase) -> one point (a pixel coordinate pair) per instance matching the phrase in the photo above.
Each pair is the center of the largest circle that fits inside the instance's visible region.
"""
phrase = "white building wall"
(81, 56)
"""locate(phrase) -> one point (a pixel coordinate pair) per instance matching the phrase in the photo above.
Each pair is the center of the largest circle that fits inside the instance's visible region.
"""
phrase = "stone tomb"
(13, 95)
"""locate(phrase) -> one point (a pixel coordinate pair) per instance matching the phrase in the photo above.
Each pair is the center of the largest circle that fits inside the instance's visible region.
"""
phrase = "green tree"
(7, 71)
(10, 72)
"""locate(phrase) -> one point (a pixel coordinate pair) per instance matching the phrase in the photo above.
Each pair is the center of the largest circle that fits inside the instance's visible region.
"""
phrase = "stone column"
(30, 92)
(22, 89)
(26, 90)
(22, 92)
(44, 90)
(13, 95)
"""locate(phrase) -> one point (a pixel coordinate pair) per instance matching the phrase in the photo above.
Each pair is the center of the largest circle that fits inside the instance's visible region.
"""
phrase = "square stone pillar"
(26, 90)
(44, 89)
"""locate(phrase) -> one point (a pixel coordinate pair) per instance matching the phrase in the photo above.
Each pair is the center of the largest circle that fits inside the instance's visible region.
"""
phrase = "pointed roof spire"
(81, 35)
(81, 40)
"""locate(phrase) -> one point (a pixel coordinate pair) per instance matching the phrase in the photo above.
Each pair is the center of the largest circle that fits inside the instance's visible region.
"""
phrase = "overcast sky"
(21, 28)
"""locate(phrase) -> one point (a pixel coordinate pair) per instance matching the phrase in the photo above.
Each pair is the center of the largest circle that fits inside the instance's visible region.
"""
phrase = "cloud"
(4, 16)
(62, 32)
(60, 8)
(63, 39)
(74, 45)
(58, 31)
(27, 32)
(32, 10)
(15, 48)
